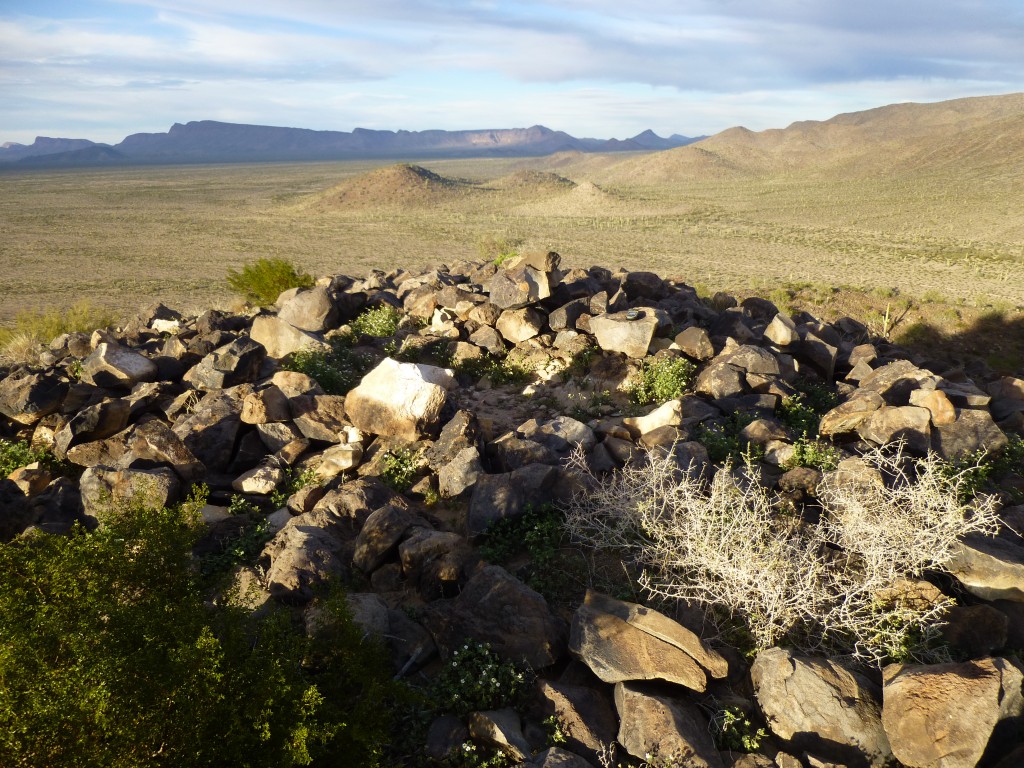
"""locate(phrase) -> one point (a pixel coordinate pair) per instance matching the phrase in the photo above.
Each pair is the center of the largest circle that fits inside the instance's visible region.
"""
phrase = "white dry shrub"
(723, 543)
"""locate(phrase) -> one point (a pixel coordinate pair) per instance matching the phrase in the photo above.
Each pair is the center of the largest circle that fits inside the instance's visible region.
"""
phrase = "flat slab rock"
(625, 641)
(945, 714)
(821, 707)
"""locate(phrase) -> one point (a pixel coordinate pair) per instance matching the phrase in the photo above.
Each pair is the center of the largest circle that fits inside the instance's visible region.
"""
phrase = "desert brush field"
(898, 216)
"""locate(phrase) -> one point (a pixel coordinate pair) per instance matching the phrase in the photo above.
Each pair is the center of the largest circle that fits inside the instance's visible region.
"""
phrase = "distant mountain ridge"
(210, 141)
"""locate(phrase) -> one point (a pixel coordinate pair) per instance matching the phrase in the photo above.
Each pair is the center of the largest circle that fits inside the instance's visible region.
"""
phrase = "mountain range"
(208, 141)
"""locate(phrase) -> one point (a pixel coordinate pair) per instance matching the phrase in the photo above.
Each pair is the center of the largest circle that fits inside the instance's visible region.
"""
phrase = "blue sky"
(603, 68)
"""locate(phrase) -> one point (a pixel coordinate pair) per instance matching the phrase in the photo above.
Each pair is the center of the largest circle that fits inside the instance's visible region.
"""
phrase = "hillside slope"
(973, 136)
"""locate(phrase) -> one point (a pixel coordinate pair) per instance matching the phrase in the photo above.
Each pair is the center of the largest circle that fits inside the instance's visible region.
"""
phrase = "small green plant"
(663, 379)
(469, 755)
(475, 678)
(589, 405)
(400, 466)
(722, 439)
(336, 370)
(262, 281)
(981, 469)
(380, 321)
(17, 453)
(813, 453)
(499, 370)
(734, 731)
(293, 482)
(557, 736)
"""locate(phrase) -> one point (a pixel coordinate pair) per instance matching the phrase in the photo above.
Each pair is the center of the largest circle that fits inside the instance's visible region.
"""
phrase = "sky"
(103, 69)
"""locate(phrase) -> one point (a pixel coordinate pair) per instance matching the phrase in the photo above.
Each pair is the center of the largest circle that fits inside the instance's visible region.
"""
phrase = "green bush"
(500, 370)
(663, 379)
(336, 370)
(15, 454)
(400, 466)
(476, 678)
(263, 280)
(380, 321)
(813, 453)
(110, 657)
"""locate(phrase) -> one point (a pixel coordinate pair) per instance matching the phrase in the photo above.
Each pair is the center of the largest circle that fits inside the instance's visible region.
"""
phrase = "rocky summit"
(477, 409)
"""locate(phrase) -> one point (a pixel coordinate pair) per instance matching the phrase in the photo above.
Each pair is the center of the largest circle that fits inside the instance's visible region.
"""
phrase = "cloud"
(692, 65)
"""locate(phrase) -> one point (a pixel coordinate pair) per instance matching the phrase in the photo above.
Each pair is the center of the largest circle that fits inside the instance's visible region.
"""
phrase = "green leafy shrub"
(15, 454)
(734, 732)
(663, 379)
(400, 466)
(722, 439)
(111, 658)
(336, 370)
(498, 248)
(540, 533)
(476, 678)
(499, 370)
(380, 321)
(802, 412)
(262, 281)
(813, 453)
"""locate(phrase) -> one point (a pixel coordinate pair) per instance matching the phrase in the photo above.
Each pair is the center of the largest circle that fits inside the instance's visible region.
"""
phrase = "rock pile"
(170, 401)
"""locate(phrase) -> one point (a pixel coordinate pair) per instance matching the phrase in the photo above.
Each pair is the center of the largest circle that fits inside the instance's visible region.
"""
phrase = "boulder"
(265, 406)
(556, 757)
(460, 473)
(971, 431)
(262, 479)
(891, 423)
(518, 287)
(380, 535)
(94, 422)
(27, 397)
(657, 727)
(111, 365)
(695, 342)
(781, 331)
(627, 332)
(624, 641)
(400, 400)
(945, 714)
(280, 338)
(584, 715)
(990, 568)
(849, 415)
(496, 608)
(302, 557)
(209, 432)
(500, 729)
(104, 489)
(310, 310)
(819, 706)
(320, 417)
(227, 366)
(518, 325)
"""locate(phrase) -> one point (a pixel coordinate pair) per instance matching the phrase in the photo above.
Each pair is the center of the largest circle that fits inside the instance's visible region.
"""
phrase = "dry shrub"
(34, 328)
(722, 543)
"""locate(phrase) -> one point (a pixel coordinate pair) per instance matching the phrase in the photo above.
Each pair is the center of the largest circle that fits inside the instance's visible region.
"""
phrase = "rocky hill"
(973, 137)
(393, 395)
